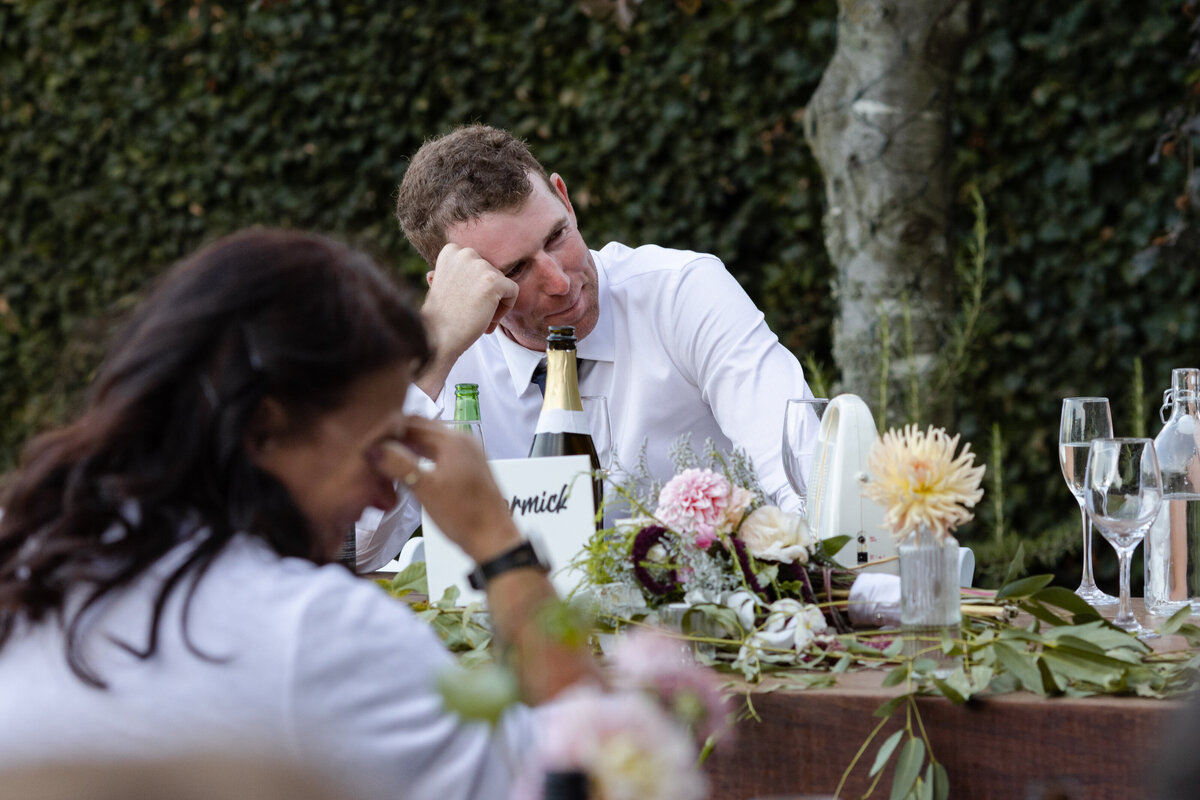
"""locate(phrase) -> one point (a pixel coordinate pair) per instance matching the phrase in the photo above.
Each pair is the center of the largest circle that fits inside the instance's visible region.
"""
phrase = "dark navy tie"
(582, 365)
(539, 376)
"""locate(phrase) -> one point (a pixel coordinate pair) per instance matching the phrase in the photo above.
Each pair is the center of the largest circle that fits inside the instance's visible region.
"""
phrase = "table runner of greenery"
(1027, 636)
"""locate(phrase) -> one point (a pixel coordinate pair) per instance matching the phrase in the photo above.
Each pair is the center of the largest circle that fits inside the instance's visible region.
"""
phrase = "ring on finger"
(424, 466)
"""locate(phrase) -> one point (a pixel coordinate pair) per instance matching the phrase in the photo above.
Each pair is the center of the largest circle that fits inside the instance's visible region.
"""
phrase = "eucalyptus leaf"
(809, 680)
(1191, 633)
(897, 675)
(449, 599)
(856, 647)
(968, 685)
(410, 580)
(924, 666)
(1016, 566)
(1021, 665)
(1019, 634)
(889, 706)
(1079, 665)
(940, 781)
(1073, 642)
(1041, 613)
(1050, 680)
(1068, 601)
(1176, 620)
(1024, 587)
(908, 767)
(949, 692)
(885, 752)
(1099, 634)
(1003, 683)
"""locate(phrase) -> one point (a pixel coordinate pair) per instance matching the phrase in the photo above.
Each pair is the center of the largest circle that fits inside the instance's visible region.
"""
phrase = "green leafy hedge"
(132, 132)
(1059, 111)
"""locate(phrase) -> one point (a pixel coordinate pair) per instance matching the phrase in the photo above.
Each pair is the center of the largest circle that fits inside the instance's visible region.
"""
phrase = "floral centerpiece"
(745, 578)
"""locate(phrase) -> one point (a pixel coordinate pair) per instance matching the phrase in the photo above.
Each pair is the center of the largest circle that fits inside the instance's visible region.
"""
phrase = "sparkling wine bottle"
(562, 427)
(1172, 554)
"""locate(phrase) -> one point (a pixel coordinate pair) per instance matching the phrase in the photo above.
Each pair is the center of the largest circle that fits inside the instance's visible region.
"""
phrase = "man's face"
(540, 248)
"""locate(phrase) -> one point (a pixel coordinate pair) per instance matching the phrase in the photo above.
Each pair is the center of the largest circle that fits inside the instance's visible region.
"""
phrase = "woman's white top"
(308, 663)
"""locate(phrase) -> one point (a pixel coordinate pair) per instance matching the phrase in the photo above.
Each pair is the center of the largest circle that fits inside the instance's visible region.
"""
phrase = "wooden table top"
(1016, 745)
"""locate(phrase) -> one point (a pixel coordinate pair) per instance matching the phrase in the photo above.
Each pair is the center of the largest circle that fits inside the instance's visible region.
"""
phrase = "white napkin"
(875, 600)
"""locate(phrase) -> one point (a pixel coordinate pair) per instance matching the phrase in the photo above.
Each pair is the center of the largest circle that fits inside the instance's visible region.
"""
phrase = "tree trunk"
(878, 124)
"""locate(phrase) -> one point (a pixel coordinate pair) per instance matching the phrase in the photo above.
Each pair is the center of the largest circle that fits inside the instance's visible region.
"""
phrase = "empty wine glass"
(1122, 494)
(471, 427)
(801, 418)
(1083, 419)
(595, 410)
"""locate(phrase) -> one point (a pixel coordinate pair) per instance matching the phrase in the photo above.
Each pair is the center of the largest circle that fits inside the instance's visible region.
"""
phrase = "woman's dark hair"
(157, 457)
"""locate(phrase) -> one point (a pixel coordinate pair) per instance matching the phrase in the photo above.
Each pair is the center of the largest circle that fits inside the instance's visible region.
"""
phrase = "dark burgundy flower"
(743, 558)
(646, 538)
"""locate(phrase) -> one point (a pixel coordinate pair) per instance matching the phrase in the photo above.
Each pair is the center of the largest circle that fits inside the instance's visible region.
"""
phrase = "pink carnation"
(694, 502)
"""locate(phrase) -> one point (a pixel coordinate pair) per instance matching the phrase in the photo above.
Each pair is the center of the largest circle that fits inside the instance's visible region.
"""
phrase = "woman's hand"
(448, 473)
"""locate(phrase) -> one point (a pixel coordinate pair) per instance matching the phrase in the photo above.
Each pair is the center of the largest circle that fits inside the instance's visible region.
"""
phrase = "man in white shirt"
(668, 336)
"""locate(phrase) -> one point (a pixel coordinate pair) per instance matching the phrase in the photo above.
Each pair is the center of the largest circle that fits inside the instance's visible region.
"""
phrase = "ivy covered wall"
(132, 132)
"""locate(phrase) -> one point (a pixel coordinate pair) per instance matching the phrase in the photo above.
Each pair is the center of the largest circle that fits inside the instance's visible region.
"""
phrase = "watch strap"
(519, 557)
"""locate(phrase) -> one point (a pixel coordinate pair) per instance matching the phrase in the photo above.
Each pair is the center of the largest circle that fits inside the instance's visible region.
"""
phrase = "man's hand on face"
(467, 298)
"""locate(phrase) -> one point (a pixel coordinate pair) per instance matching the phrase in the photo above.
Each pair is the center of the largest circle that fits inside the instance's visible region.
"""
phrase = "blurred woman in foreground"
(165, 576)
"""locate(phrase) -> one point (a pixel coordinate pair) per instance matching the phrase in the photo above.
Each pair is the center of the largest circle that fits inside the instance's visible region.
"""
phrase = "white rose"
(772, 534)
(743, 604)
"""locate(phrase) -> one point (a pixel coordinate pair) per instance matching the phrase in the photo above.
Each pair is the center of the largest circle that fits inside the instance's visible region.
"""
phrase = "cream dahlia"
(918, 480)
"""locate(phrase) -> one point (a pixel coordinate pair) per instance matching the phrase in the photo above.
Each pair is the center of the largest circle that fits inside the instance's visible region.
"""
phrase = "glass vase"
(929, 597)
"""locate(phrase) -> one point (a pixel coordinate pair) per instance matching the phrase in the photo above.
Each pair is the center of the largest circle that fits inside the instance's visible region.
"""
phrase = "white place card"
(550, 500)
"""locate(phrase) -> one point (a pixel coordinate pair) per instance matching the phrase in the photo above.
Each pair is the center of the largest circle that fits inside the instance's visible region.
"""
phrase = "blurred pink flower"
(694, 502)
(649, 661)
(629, 748)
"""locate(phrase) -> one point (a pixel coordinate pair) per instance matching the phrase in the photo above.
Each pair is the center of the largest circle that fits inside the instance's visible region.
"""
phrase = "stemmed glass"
(801, 416)
(1083, 419)
(471, 427)
(595, 410)
(1122, 494)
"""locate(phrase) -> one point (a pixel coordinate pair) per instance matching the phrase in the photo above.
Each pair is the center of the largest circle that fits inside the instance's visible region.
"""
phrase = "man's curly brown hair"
(471, 171)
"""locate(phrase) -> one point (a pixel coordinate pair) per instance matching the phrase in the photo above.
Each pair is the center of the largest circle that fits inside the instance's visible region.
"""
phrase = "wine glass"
(1122, 492)
(1083, 419)
(595, 410)
(801, 416)
(471, 427)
